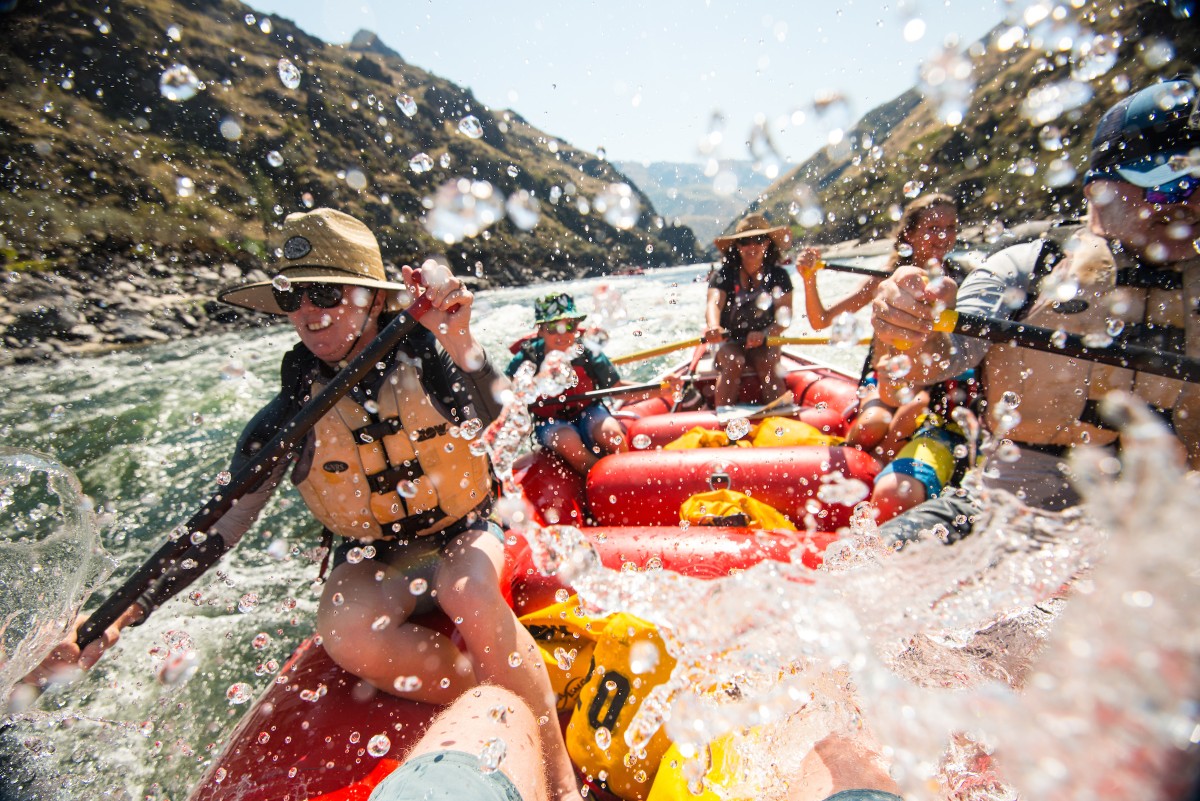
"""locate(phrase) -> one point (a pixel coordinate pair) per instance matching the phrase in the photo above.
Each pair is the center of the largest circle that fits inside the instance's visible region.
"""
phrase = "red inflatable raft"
(314, 735)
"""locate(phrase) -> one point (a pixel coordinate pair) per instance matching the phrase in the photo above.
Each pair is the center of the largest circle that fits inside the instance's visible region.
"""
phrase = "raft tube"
(647, 488)
(309, 736)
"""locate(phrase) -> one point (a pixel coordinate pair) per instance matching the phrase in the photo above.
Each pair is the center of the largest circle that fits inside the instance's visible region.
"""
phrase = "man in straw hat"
(389, 474)
(749, 300)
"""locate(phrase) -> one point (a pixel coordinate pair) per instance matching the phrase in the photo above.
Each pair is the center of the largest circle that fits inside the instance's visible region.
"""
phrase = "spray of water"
(52, 559)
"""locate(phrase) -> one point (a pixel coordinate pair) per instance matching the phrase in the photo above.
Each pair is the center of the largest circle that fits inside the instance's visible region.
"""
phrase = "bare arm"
(712, 315)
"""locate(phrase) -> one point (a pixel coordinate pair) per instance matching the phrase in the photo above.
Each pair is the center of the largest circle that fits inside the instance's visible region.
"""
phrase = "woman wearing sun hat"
(389, 475)
(749, 300)
(580, 431)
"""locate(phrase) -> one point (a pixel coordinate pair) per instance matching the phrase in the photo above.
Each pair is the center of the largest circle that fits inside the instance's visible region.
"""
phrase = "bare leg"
(609, 436)
(361, 623)
(895, 494)
(566, 442)
(904, 424)
(730, 362)
(766, 364)
(502, 650)
(471, 721)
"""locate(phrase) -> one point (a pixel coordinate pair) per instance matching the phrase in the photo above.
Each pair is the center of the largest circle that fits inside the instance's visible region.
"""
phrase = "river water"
(935, 649)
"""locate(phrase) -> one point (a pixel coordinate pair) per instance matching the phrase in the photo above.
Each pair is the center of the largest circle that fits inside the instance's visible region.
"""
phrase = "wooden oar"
(1008, 332)
(754, 411)
(252, 473)
(650, 353)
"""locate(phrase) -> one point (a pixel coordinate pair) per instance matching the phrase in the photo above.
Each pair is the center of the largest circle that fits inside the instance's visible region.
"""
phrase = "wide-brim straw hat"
(756, 225)
(321, 246)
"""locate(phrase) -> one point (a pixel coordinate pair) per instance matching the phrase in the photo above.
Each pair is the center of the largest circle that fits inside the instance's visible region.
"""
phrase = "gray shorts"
(447, 776)
(863, 795)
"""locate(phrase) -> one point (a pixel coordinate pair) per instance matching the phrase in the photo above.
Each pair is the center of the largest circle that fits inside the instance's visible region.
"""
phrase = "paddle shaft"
(1132, 357)
(840, 267)
(595, 394)
(251, 473)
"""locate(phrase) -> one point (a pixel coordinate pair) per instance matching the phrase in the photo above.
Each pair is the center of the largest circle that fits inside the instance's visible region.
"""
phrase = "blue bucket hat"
(551, 308)
(1150, 138)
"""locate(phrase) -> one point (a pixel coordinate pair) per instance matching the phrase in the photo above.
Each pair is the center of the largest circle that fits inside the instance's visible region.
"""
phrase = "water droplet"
(179, 83)
(736, 429)
(1010, 399)
(618, 205)
(379, 745)
(260, 641)
(470, 127)
(407, 684)
(418, 586)
(1050, 138)
(407, 105)
(1048, 102)
(1093, 56)
(354, 555)
(380, 623)
(230, 129)
(492, 755)
(174, 33)
(643, 657)
(898, 367)
(562, 596)
(184, 186)
(1060, 172)
(640, 442)
(238, 693)
(178, 667)
(289, 73)
(282, 283)
(356, 179)
(522, 208)
(406, 488)
(912, 189)
(248, 602)
(514, 659)
(445, 161)
(603, 738)
(462, 208)
(1008, 451)
(337, 599)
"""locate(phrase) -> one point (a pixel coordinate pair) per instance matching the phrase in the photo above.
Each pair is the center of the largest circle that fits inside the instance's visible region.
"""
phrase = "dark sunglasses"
(323, 296)
(1176, 191)
(754, 240)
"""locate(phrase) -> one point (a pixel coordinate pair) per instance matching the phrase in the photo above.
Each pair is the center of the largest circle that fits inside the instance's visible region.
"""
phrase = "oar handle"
(840, 267)
(251, 473)
(1132, 357)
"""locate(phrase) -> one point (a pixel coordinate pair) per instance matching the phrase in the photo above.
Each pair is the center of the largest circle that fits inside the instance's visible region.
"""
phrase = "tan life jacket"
(1059, 394)
(397, 472)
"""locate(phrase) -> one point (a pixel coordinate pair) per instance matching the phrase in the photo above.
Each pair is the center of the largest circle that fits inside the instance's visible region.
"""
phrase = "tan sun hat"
(320, 246)
(756, 225)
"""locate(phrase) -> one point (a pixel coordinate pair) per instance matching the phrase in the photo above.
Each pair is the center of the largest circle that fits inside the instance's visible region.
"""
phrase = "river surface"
(1067, 645)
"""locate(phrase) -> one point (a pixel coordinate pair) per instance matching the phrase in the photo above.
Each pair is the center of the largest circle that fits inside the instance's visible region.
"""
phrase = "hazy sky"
(643, 80)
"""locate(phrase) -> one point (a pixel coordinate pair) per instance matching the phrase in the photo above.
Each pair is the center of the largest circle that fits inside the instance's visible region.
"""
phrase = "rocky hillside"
(1020, 150)
(152, 148)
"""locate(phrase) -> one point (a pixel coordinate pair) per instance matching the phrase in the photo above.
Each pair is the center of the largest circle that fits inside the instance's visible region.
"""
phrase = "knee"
(895, 494)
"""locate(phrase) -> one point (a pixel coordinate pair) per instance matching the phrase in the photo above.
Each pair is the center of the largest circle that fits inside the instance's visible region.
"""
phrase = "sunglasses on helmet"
(1175, 191)
(323, 296)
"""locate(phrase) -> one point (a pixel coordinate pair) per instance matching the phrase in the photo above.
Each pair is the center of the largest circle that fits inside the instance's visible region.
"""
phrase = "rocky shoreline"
(111, 298)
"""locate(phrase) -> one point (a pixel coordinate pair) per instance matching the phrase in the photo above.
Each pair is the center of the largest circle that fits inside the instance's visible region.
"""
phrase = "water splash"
(461, 209)
(51, 559)
(780, 649)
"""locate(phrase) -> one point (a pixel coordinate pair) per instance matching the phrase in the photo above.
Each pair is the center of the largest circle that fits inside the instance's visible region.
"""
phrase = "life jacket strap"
(386, 481)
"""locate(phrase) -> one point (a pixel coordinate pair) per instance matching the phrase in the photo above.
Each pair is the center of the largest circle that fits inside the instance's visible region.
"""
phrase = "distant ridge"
(369, 42)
